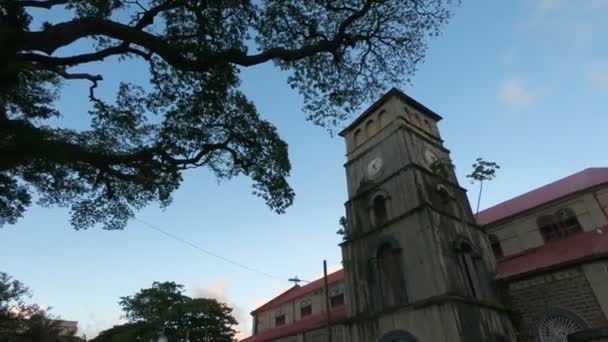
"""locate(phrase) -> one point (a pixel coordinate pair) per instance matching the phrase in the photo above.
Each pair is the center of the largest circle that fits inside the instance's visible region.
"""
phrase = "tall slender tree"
(482, 171)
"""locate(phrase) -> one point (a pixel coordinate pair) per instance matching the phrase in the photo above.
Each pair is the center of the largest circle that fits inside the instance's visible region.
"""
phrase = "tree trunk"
(478, 199)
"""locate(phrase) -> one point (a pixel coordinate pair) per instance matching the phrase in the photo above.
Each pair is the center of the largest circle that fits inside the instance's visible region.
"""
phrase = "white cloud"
(92, 326)
(597, 74)
(516, 93)
(219, 292)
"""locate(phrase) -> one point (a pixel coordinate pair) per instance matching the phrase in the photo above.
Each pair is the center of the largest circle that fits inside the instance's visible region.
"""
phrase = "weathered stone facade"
(567, 290)
(415, 261)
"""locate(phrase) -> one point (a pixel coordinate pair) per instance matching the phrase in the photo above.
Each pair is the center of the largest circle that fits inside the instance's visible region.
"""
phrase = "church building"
(419, 267)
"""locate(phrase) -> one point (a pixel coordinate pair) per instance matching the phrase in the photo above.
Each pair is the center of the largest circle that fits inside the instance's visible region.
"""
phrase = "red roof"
(316, 321)
(582, 246)
(299, 291)
(566, 186)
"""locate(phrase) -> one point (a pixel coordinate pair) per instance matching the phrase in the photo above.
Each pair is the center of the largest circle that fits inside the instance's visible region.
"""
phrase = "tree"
(163, 310)
(124, 333)
(22, 322)
(482, 171)
(191, 112)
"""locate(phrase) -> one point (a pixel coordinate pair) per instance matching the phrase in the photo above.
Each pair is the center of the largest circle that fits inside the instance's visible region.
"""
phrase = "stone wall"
(531, 298)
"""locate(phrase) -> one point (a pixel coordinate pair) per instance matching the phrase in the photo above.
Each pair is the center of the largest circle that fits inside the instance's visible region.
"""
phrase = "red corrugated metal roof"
(299, 291)
(577, 182)
(575, 248)
(312, 322)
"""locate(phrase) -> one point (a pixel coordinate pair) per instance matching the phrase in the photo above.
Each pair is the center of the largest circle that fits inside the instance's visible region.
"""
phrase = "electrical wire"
(201, 249)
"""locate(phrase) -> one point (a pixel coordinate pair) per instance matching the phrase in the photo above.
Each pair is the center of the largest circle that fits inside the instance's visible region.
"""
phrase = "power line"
(201, 249)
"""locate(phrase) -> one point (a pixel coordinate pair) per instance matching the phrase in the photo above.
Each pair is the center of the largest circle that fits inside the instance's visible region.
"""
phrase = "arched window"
(382, 119)
(379, 209)
(568, 222)
(556, 325)
(370, 128)
(358, 137)
(279, 318)
(428, 127)
(548, 227)
(336, 297)
(562, 224)
(496, 247)
(468, 264)
(305, 308)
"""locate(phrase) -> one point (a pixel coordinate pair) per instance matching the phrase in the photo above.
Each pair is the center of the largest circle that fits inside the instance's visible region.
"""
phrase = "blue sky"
(523, 83)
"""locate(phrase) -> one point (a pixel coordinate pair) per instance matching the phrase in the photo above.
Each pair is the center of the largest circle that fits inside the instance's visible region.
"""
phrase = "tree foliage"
(190, 112)
(442, 168)
(22, 322)
(163, 310)
(482, 171)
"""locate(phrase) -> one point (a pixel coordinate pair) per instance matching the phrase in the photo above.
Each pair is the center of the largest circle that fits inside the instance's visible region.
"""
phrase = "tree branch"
(41, 4)
(59, 35)
(83, 58)
(83, 76)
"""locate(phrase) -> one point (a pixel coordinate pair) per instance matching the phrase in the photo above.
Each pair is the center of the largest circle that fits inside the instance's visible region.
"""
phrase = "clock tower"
(417, 266)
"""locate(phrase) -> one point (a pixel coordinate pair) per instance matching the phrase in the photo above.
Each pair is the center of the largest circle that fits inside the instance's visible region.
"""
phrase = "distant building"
(418, 267)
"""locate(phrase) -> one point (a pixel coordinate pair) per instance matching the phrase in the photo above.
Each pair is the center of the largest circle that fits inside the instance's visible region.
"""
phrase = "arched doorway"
(398, 336)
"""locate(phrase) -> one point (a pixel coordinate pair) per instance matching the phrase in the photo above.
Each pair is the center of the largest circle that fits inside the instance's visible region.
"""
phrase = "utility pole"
(327, 308)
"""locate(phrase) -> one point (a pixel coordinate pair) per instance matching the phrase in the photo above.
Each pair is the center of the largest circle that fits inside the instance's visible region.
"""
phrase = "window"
(548, 227)
(336, 298)
(382, 118)
(496, 247)
(568, 222)
(379, 208)
(428, 126)
(562, 224)
(305, 308)
(279, 319)
(358, 137)
(557, 324)
(370, 128)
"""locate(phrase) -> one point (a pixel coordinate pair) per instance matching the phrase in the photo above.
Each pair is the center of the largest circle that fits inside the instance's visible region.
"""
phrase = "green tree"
(482, 171)
(125, 333)
(163, 310)
(190, 112)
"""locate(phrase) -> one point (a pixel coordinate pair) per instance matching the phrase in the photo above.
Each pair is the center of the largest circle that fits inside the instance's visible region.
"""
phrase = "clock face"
(430, 157)
(374, 167)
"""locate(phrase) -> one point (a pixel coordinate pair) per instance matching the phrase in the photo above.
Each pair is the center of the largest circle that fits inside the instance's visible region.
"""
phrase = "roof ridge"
(310, 287)
(576, 182)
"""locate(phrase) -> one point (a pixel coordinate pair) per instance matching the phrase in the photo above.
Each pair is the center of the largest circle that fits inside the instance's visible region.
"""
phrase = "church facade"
(419, 267)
